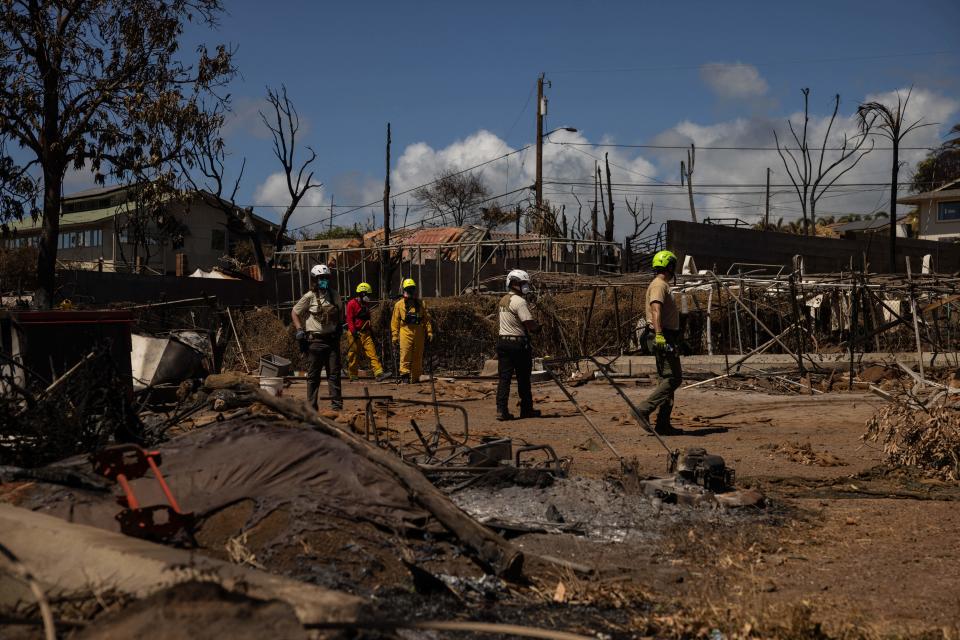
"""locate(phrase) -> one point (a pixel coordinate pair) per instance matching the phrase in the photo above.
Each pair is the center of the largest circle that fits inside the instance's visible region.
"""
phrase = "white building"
(939, 212)
(94, 234)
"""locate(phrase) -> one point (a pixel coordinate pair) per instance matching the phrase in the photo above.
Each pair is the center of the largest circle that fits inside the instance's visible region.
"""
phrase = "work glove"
(301, 335)
(660, 342)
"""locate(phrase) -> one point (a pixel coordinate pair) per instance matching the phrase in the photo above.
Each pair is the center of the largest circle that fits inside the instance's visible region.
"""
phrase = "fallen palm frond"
(926, 438)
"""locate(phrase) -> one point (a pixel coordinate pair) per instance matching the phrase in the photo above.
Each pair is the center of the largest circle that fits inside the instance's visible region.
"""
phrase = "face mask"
(409, 293)
(525, 289)
(323, 284)
(364, 297)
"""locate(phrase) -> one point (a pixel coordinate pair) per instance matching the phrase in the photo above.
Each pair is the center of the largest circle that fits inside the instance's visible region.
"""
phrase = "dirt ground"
(841, 543)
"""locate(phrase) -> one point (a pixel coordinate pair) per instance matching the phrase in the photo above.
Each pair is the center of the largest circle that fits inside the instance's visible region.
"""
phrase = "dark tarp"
(271, 462)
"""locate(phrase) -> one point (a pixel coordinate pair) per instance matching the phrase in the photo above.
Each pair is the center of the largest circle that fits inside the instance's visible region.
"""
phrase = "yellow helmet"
(363, 287)
(409, 282)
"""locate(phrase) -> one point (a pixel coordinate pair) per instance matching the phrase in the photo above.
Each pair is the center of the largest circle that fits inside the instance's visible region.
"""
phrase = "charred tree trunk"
(608, 228)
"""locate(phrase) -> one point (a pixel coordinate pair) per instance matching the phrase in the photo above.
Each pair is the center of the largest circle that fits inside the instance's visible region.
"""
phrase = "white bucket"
(273, 386)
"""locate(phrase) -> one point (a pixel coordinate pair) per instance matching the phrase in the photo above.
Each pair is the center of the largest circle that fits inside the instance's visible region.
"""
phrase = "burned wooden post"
(386, 270)
(586, 322)
(686, 176)
(854, 314)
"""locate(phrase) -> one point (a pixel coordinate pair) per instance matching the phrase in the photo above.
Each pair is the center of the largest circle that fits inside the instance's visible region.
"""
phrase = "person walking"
(361, 336)
(317, 318)
(663, 333)
(514, 351)
(412, 329)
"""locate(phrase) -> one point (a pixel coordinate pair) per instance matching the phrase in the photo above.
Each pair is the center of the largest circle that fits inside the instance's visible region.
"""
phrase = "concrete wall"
(717, 247)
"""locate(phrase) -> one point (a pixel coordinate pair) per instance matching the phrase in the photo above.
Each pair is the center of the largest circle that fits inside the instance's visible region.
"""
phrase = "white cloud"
(650, 177)
(734, 80)
(568, 165)
(272, 197)
(749, 167)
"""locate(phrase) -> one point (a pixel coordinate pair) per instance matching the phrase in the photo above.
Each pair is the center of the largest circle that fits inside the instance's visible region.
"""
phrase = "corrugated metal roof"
(66, 219)
(95, 191)
(329, 243)
(529, 250)
(470, 236)
(429, 235)
(865, 225)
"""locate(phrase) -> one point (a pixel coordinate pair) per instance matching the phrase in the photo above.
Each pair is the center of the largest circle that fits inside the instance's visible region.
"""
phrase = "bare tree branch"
(284, 126)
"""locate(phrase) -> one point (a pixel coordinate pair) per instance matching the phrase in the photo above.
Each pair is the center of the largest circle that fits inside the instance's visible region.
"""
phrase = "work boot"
(380, 377)
(644, 421)
(530, 413)
(337, 406)
(405, 378)
(503, 416)
(668, 430)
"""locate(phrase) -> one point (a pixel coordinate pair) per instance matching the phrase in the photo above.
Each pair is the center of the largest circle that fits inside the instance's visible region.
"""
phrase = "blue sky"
(622, 72)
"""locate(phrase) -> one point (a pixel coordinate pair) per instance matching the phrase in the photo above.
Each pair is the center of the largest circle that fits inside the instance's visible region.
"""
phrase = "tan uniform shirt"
(319, 314)
(659, 291)
(514, 311)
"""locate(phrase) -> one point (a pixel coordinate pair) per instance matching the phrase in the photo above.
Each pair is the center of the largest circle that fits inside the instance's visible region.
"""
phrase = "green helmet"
(664, 260)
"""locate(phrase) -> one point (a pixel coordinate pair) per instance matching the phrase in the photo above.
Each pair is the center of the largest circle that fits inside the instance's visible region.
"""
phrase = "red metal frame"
(127, 462)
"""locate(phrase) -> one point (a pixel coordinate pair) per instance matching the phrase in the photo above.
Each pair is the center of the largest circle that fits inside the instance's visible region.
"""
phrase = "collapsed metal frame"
(743, 293)
(437, 460)
(354, 263)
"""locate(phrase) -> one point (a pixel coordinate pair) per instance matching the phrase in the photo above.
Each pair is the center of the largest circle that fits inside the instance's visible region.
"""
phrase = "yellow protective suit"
(358, 346)
(411, 335)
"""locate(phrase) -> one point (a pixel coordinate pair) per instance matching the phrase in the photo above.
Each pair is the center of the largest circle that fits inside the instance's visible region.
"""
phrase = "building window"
(948, 211)
(76, 239)
(218, 240)
(21, 241)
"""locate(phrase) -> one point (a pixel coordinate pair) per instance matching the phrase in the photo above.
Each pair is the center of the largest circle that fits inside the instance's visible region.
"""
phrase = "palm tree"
(891, 124)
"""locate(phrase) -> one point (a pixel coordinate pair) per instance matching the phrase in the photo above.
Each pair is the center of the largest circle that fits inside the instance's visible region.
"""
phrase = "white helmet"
(320, 270)
(517, 274)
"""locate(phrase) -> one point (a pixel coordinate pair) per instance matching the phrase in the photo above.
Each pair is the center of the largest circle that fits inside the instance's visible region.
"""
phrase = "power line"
(411, 190)
(759, 64)
(709, 148)
(719, 185)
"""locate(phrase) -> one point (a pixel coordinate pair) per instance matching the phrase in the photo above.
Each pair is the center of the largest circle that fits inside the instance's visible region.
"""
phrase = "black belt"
(666, 332)
(514, 338)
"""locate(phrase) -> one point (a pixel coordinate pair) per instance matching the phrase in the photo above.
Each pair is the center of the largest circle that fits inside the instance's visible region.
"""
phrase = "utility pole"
(385, 271)
(331, 213)
(766, 215)
(541, 111)
(596, 201)
(686, 174)
(608, 227)
(517, 235)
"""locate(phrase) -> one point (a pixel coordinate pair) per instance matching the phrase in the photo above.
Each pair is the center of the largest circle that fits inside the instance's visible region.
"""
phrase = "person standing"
(663, 321)
(317, 318)
(514, 351)
(412, 329)
(361, 338)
